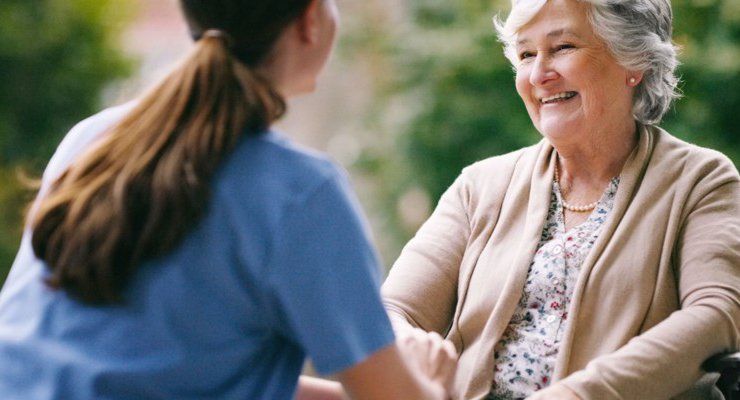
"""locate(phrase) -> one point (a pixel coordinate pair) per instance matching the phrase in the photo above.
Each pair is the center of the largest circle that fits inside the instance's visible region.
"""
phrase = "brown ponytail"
(133, 196)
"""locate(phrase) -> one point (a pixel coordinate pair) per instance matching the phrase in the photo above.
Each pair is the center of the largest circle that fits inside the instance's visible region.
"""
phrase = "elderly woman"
(602, 262)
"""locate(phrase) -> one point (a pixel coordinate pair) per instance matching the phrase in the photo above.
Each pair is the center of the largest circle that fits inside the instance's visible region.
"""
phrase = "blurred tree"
(56, 57)
(709, 33)
(457, 89)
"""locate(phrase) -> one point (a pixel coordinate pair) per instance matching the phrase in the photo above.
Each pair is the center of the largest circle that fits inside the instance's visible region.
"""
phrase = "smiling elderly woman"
(601, 263)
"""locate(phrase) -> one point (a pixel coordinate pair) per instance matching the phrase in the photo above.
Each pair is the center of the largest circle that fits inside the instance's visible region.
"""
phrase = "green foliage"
(709, 34)
(12, 199)
(458, 90)
(56, 57)
(469, 108)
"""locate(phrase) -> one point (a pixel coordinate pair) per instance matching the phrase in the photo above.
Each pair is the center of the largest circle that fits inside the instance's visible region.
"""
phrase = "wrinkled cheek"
(522, 85)
(524, 90)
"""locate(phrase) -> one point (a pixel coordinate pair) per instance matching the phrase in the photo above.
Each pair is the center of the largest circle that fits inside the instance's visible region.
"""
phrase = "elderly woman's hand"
(555, 392)
(431, 354)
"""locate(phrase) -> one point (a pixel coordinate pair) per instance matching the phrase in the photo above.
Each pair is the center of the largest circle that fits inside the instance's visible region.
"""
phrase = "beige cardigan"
(658, 294)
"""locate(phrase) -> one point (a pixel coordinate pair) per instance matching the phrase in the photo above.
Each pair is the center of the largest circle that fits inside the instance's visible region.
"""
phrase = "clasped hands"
(436, 358)
(431, 355)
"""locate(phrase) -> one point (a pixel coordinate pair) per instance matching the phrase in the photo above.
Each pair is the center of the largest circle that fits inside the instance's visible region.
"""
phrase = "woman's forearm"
(310, 388)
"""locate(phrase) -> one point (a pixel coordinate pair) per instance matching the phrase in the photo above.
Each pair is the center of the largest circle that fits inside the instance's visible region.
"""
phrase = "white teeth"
(559, 96)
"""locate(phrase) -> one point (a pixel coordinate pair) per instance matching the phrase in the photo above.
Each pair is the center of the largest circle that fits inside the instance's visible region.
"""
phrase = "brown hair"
(134, 195)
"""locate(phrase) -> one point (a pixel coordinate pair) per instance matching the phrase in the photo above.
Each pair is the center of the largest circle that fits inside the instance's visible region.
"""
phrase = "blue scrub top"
(280, 267)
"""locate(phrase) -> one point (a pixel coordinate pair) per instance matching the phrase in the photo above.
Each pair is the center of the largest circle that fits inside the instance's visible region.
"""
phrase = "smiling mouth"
(558, 97)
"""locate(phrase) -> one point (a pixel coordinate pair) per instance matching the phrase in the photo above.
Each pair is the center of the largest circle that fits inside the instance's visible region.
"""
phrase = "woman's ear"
(308, 22)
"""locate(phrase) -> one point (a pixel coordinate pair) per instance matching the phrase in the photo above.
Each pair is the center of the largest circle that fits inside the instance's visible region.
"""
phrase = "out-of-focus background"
(416, 90)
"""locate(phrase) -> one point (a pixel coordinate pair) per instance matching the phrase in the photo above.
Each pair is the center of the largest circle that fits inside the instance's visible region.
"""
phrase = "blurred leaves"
(56, 57)
(709, 33)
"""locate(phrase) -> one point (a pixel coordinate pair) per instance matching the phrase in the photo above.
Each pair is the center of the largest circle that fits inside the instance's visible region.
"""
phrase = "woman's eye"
(525, 54)
(564, 47)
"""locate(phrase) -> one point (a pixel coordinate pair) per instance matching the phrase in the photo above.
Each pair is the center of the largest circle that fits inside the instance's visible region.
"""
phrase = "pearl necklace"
(573, 207)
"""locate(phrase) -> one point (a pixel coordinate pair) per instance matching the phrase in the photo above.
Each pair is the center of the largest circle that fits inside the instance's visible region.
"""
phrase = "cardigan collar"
(538, 204)
(630, 178)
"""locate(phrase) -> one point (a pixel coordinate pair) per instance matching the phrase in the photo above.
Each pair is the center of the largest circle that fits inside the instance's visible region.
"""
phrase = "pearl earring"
(632, 81)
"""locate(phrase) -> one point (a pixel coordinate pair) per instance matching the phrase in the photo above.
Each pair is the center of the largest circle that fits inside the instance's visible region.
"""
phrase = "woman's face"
(572, 87)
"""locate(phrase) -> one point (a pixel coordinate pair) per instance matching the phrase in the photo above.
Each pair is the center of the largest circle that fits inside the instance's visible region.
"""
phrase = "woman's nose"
(542, 70)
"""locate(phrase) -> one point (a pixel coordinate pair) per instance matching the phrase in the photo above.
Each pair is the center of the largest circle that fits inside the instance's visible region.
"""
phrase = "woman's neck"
(591, 165)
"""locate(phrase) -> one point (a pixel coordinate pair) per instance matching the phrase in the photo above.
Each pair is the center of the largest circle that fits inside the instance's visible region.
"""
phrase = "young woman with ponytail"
(180, 248)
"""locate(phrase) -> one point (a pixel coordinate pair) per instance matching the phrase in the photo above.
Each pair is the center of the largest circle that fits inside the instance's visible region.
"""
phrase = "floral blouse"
(524, 358)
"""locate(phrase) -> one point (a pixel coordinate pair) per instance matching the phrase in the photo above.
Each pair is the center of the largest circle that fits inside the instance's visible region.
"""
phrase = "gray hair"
(638, 35)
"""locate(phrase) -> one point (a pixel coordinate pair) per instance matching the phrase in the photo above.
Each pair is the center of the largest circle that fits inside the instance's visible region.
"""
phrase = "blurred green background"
(439, 94)
(56, 60)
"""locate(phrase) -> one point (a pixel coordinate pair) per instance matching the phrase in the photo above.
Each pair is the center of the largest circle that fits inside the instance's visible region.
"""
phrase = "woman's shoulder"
(273, 162)
(502, 165)
(82, 135)
(690, 157)
(273, 149)
(298, 155)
